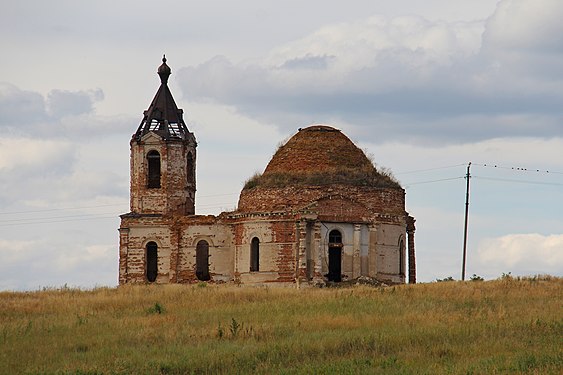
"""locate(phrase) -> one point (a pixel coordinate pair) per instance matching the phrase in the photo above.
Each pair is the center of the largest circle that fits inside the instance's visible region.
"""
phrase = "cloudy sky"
(425, 87)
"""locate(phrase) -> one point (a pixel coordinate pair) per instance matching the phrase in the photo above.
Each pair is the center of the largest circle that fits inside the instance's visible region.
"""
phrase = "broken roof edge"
(163, 115)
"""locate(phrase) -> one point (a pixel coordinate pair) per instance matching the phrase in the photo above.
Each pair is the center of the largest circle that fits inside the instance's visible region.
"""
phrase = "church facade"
(320, 212)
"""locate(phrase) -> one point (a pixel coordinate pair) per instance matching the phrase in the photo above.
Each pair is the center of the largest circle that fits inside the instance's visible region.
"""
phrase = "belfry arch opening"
(335, 256)
(190, 170)
(202, 261)
(153, 172)
(152, 261)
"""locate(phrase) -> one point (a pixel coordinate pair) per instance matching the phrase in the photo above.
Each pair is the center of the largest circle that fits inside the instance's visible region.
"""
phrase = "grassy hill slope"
(503, 326)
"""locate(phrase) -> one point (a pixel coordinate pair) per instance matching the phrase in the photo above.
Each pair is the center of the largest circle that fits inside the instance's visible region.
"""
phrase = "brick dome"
(320, 155)
(317, 148)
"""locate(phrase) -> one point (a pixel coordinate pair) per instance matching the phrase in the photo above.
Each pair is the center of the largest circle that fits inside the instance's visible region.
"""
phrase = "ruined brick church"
(320, 212)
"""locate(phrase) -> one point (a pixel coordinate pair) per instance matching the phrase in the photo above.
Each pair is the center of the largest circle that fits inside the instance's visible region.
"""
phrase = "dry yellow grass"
(503, 326)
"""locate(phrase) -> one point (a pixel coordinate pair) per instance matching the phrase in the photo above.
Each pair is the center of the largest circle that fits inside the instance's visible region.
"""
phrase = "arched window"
(335, 237)
(335, 256)
(401, 256)
(202, 260)
(152, 261)
(255, 255)
(153, 176)
(190, 168)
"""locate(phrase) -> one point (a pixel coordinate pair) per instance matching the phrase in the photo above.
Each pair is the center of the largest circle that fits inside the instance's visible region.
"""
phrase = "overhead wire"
(433, 181)
(518, 169)
(96, 216)
(54, 217)
(60, 209)
(488, 165)
(57, 221)
(518, 181)
(430, 169)
(90, 207)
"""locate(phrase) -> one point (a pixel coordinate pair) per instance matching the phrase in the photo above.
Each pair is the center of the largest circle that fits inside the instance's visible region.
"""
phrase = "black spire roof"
(163, 116)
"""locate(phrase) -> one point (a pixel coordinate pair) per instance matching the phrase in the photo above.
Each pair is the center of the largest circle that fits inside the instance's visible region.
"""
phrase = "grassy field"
(494, 327)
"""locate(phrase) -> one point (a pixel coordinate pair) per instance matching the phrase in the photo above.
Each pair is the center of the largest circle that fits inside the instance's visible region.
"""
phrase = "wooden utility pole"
(467, 177)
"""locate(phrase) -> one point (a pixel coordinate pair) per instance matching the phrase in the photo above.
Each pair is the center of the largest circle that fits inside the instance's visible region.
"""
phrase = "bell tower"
(163, 157)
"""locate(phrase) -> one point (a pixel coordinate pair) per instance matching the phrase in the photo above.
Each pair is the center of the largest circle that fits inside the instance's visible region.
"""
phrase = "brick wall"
(367, 200)
(176, 194)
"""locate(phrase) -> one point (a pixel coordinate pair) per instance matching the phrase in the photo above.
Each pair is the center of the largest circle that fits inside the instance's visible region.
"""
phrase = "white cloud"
(524, 39)
(361, 44)
(224, 125)
(61, 103)
(532, 153)
(526, 25)
(73, 259)
(62, 114)
(523, 254)
(53, 173)
(46, 263)
(19, 107)
(15, 250)
(27, 154)
(407, 76)
(330, 59)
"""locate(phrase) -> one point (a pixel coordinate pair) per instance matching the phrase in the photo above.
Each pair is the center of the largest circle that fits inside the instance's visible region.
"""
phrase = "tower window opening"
(153, 158)
(190, 168)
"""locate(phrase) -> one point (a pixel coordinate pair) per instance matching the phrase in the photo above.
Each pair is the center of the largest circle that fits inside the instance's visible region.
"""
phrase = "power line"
(518, 181)
(56, 217)
(59, 221)
(60, 209)
(519, 169)
(98, 206)
(430, 169)
(433, 181)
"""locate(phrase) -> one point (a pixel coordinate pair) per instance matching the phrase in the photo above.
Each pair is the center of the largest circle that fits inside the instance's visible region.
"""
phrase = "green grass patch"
(503, 326)
(344, 176)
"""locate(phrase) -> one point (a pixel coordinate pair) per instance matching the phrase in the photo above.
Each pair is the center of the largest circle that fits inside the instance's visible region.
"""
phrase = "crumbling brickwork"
(177, 193)
(317, 189)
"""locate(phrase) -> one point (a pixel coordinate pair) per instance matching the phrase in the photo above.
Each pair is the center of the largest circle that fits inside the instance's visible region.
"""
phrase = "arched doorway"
(152, 261)
(202, 261)
(335, 256)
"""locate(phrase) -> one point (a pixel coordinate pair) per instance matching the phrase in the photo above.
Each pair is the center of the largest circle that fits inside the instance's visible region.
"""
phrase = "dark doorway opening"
(335, 264)
(335, 256)
(152, 261)
(202, 261)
